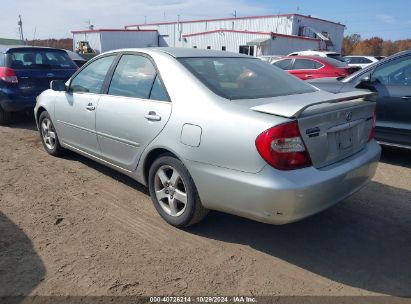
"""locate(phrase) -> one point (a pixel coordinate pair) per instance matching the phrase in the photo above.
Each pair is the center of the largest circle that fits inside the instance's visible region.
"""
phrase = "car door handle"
(90, 107)
(309, 76)
(152, 116)
(406, 97)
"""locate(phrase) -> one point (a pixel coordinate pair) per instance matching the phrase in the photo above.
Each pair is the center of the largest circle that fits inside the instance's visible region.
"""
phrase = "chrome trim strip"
(124, 141)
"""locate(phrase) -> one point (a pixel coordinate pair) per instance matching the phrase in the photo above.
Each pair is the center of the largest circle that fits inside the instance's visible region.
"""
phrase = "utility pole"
(20, 24)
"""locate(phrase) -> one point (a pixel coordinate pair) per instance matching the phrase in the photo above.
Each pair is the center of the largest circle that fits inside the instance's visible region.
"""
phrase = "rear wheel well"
(151, 157)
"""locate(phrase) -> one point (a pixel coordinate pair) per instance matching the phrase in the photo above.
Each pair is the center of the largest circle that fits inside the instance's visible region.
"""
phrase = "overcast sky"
(57, 18)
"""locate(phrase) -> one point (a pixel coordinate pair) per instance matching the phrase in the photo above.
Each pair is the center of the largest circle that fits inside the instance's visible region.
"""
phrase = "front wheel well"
(151, 157)
(39, 111)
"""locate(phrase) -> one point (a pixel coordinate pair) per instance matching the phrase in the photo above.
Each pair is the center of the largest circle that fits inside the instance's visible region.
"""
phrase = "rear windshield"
(39, 59)
(244, 78)
(336, 63)
(336, 57)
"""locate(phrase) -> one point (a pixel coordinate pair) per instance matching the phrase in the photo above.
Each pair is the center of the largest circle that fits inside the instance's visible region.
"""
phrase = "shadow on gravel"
(364, 242)
(23, 121)
(396, 157)
(21, 269)
(106, 171)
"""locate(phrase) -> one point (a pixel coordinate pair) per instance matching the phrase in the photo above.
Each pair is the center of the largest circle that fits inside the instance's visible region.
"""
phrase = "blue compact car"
(25, 72)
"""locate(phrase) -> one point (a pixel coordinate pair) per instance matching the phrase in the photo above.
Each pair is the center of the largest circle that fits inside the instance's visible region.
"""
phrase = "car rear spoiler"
(293, 106)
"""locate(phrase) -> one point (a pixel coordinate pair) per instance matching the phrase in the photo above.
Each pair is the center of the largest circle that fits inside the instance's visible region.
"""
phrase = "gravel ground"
(69, 226)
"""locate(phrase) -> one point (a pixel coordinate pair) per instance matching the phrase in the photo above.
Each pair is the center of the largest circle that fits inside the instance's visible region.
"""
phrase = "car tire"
(48, 135)
(174, 193)
(5, 117)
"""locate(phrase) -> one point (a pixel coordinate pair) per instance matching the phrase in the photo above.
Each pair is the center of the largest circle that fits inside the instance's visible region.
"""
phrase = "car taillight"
(8, 75)
(374, 121)
(283, 148)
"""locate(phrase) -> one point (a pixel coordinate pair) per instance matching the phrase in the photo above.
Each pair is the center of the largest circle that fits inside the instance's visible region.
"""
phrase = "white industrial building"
(255, 35)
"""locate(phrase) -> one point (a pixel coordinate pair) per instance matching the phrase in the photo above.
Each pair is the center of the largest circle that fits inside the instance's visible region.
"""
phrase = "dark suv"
(27, 71)
(391, 79)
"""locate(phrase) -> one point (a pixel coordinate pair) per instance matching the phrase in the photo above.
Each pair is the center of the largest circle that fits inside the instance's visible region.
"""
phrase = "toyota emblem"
(348, 116)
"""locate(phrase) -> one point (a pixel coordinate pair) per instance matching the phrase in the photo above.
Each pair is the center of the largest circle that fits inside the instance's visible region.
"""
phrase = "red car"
(311, 67)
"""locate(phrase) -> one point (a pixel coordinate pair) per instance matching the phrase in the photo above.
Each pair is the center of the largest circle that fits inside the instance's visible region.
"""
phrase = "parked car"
(333, 55)
(391, 79)
(311, 67)
(360, 61)
(270, 58)
(77, 59)
(27, 71)
(213, 130)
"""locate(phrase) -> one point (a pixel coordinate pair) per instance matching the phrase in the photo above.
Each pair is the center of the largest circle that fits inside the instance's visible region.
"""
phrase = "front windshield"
(244, 78)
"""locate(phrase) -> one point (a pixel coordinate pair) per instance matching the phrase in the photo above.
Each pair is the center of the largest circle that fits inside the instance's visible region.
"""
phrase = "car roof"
(6, 48)
(184, 52)
(317, 58)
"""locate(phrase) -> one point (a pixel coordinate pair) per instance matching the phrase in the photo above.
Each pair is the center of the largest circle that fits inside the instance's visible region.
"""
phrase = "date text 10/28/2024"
(170, 299)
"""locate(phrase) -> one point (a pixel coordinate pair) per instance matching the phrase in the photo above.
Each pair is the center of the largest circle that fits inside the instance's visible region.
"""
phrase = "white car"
(361, 61)
(333, 55)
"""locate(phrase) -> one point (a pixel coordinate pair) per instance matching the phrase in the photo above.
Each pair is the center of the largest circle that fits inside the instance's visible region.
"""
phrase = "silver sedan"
(214, 130)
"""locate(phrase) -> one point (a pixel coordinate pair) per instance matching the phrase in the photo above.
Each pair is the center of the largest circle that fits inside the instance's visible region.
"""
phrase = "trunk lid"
(33, 82)
(332, 126)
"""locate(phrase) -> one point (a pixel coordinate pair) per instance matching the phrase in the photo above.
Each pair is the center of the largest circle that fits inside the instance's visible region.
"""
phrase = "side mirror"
(58, 85)
(365, 82)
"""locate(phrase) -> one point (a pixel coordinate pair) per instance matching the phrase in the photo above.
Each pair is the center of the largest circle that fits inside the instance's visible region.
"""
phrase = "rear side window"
(33, 59)
(2, 59)
(91, 78)
(244, 78)
(283, 64)
(306, 64)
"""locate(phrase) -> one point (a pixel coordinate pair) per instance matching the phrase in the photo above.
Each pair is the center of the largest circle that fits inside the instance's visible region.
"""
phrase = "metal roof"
(109, 30)
(235, 18)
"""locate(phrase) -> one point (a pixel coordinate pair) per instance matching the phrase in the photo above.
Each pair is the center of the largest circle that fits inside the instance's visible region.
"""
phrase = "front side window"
(396, 72)
(91, 78)
(244, 78)
(133, 77)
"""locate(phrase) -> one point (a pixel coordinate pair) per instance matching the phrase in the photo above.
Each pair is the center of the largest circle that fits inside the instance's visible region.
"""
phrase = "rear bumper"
(280, 197)
(13, 102)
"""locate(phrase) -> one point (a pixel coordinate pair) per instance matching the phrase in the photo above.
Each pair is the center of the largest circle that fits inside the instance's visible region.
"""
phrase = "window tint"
(40, 59)
(396, 72)
(158, 92)
(283, 64)
(134, 77)
(91, 78)
(306, 64)
(242, 78)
